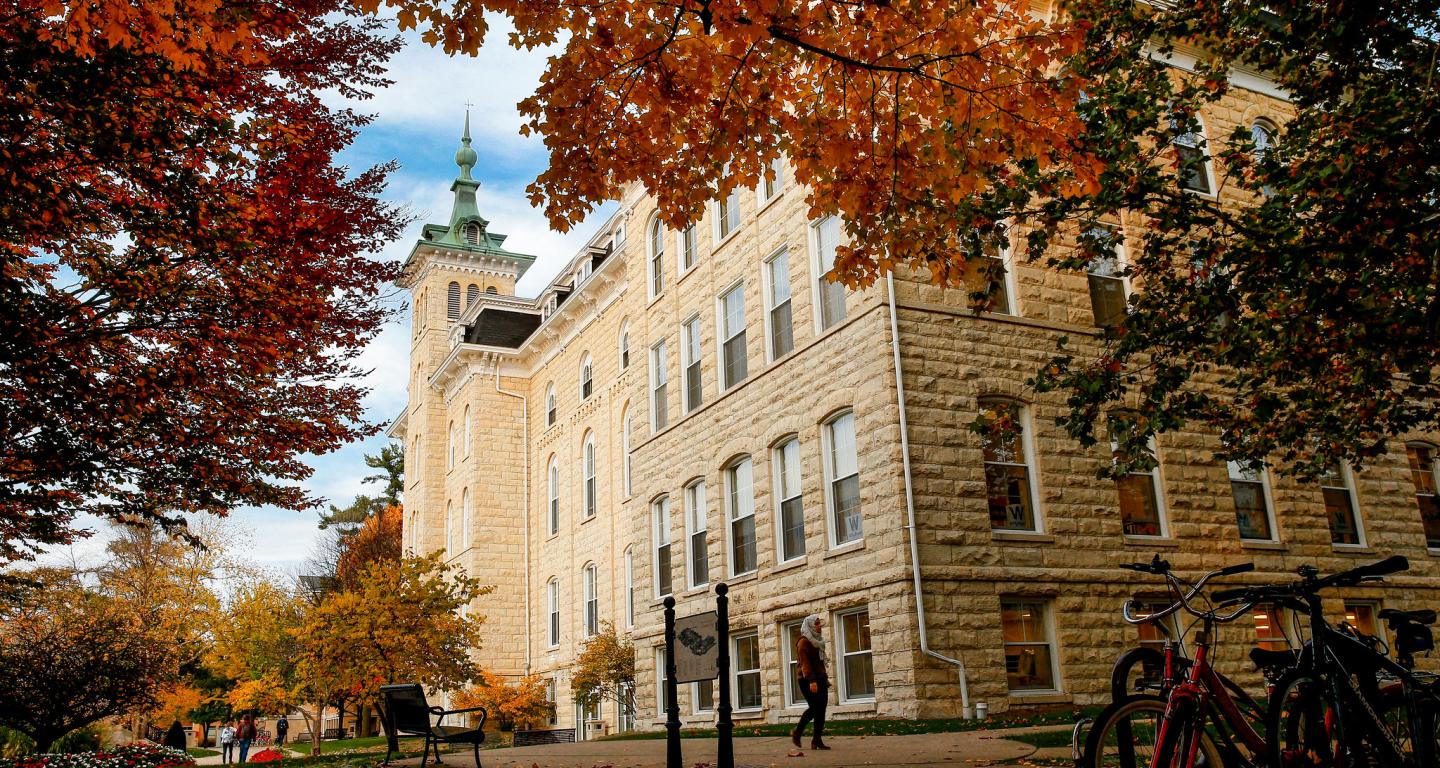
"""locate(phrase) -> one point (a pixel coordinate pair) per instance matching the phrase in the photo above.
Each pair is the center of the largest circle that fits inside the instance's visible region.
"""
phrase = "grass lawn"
(1043, 738)
(889, 727)
(201, 752)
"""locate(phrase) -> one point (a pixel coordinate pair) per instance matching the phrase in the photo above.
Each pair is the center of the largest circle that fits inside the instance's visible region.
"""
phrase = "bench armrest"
(443, 712)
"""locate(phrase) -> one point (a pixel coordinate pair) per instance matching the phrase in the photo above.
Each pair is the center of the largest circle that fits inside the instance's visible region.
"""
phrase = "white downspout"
(966, 711)
(525, 503)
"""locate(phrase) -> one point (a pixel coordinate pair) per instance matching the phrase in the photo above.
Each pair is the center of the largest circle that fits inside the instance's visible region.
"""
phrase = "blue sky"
(418, 122)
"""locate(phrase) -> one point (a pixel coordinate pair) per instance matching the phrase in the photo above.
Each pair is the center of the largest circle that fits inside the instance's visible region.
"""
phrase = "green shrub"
(14, 743)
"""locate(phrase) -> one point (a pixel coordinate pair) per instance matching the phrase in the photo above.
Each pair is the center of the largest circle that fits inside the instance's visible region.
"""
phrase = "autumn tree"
(404, 621)
(182, 268)
(376, 542)
(507, 704)
(391, 463)
(605, 669)
(1294, 312)
(71, 656)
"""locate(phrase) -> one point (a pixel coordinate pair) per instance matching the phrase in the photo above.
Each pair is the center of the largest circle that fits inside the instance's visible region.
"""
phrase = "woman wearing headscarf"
(814, 680)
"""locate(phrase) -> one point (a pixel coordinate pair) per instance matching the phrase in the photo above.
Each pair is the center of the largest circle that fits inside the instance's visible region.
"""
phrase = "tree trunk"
(316, 720)
(340, 723)
(203, 739)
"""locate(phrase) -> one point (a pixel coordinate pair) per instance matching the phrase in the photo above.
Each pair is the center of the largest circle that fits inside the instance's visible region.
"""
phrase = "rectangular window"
(1340, 507)
(789, 637)
(791, 520)
(554, 497)
(745, 661)
(771, 186)
(732, 336)
(552, 598)
(727, 215)
(630, 588)
(1029, 648)
(690, 339)
(740, 509)
(662, 546)
(1153, 635)
(782, 332)
(659, 408)
(1190, 157)
(687, 247)
(1422, 474)
(592, 601)
(696, 546)
(829, 297)
(843, 482)
(1107, 284)
(1005, 447)
(660, 678)
(1361, 616)
(702, 696)
(552, 717)
(1140, 492)
(1269, 631)
(1252, 504)
(857, 667)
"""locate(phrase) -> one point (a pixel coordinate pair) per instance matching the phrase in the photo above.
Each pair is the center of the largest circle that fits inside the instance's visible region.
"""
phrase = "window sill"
(844, 549)
(585, 520)
(1353, 549)
(763, 203)
(1022, 537)
(653, 299)
(720, 242)
(684, 273)
(698, 589)
(748, 714)
(854, 705)
(1040, 697)
(796, 562)
(1265, 546)
(1151, 541)
(742, 578)
(1433, 551)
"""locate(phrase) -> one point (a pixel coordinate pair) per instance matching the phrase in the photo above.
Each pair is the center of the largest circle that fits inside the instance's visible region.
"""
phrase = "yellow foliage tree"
(606, 669)
(508, 705)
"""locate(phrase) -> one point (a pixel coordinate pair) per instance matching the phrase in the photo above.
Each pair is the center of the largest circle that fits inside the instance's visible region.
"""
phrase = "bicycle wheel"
(1125, 733)
(1300, 725)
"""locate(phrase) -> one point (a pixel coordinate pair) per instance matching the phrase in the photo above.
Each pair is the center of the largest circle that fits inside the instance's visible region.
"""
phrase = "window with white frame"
(552, 717)
(591, 576)
(1106, 277)
(1341, 507)
(1190, 155)
(553, 487)
(733, 359)
(702, 697)
(629, 586)
(465, 518)
(624, 345)
(552, 608)
(697, 554)
(1030, 659)
(790, 522)
(842, 479)
(727, 215)
(550, 405)
(993, 255)
(660, 534)
(587, 378)
(1270, 627)
(588, 467)
(772, 181)
(856, 662)
(745, 670)
(1250, 488)
(1363, 615)
(829, 297)
(690, 362)
(781, 334)
(657, 257)
(740, 511)
(465, 436)
(1142, 499)
(449, 530)
(450, 447)
(789, 638)
(659, 408)
(625, 449)
(1005, 447)
(662, 673)
(1423, 476)
(688, 246)
(1262, 135)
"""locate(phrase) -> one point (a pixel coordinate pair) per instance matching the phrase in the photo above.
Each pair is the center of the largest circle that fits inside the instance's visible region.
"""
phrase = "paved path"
(972, 748)
(215, 759)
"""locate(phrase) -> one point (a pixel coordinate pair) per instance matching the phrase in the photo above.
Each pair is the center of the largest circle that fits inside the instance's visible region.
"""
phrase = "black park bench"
(409, 715)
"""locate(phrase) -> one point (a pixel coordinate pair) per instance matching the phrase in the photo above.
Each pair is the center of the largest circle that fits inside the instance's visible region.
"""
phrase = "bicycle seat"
(1424, 616)
(1265, 659)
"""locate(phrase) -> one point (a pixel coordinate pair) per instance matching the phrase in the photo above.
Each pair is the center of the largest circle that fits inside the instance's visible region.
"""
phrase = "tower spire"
(465, 157)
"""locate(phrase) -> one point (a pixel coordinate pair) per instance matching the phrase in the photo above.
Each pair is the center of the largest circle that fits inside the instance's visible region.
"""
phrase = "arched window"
(697, 547)
(657, 257)
(550, 405)
(472, 233)
(624, 345)
(465, 519)
(1007, 454)
(553, 486)
(740, 511)
(587, 382)
(842, 484)
(1192, 158)
(625, 449)
(450, 447)
(1263, 134)
(592, 600)
(788, 500)
(630, 586)
(660, 538)
(491, 290)
(452, 305)
(552, 610)
(449, 531)
(1423, 473)
(415, 532)
(588, 467)
(472, 292)
(465, 439)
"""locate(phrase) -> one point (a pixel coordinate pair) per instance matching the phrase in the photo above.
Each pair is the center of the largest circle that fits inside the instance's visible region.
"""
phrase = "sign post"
(725, 750)
(673, 758)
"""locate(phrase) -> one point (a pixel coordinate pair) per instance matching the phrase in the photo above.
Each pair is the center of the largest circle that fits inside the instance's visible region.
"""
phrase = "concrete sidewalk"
(970, 747)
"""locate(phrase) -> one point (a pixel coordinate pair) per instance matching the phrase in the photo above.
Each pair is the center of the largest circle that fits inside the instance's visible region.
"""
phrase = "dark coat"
(812, 667)
(175, 736)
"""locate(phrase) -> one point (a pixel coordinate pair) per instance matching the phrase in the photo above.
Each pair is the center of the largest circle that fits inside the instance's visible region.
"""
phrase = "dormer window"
(472, 233)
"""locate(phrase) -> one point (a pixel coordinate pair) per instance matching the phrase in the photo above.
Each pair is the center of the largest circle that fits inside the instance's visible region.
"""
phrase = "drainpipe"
(966, 711)
(525, 503)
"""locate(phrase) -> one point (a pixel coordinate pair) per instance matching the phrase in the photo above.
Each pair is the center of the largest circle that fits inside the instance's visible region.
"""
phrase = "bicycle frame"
(1205, 691)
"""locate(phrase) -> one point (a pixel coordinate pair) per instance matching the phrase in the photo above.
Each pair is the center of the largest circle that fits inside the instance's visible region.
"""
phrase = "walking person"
(814, 680)
(282, 727)
(227, 744)
(245, 734)
(175, 736)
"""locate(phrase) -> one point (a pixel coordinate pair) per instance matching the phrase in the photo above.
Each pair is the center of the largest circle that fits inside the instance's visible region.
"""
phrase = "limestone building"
(677, 409)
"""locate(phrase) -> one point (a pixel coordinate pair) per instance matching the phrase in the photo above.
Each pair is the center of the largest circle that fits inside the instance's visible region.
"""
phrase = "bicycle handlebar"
(1186, 595)
(1309, 585)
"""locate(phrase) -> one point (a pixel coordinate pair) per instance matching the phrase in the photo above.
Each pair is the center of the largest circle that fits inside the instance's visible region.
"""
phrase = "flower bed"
(266, 756)
(129, 756)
